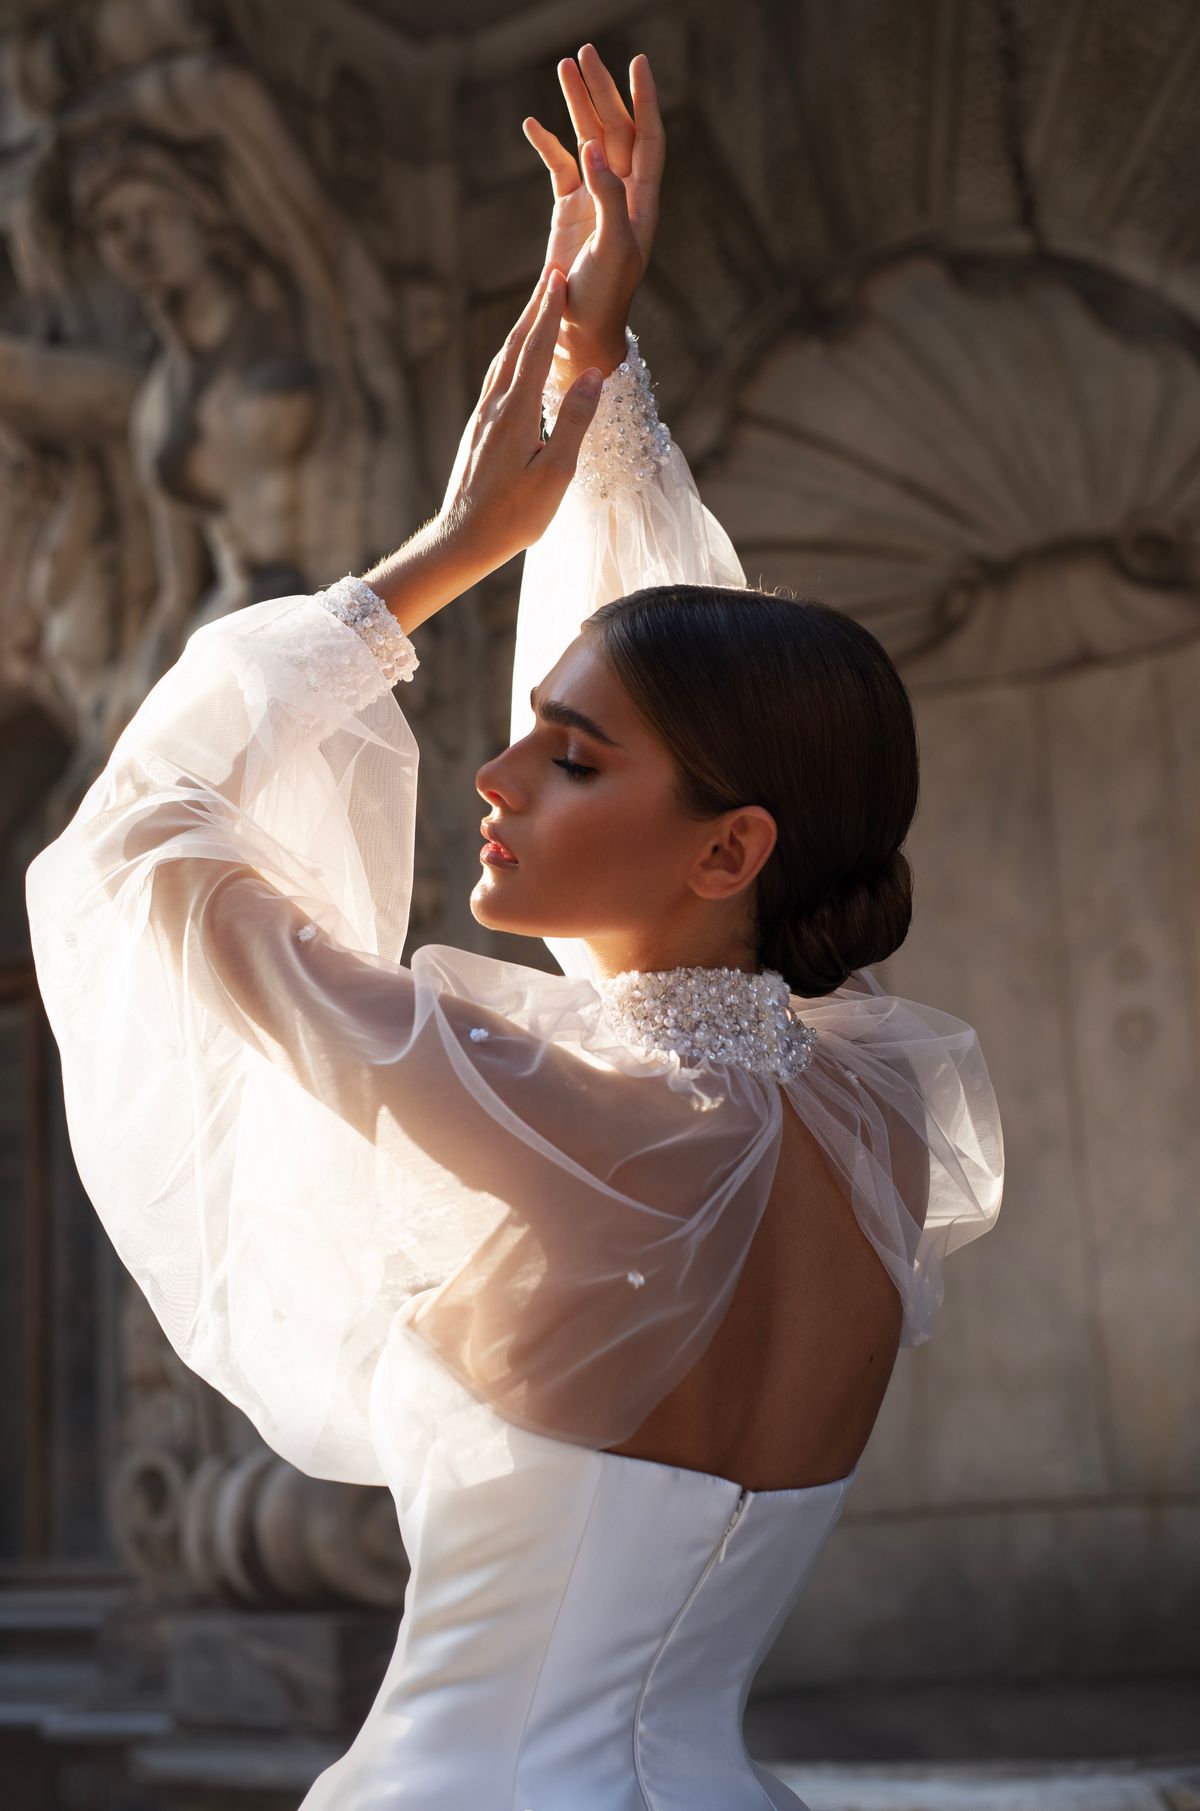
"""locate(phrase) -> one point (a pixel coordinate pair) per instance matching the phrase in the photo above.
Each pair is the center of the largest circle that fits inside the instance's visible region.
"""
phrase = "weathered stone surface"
(310, 1674)
(1014, 1593)
(901, 1788)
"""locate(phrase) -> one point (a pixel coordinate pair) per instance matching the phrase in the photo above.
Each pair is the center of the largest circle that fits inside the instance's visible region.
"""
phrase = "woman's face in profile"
(600, 844)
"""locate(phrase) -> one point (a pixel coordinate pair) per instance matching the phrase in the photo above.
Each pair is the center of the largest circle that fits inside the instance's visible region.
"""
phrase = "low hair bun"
(862, 919)
(792, 705)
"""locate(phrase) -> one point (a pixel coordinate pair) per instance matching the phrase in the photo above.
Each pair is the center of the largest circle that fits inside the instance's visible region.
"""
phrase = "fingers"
(533, 361)
(500, 371)
(584, 118)
(650, 142)
(564, 171)
(608, 193)
(611, 109)
(575, 415)
(634, 146)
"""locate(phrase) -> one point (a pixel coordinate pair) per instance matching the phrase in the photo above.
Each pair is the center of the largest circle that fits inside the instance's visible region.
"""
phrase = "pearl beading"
(354, 603)
(625, 443)
(707, 1015)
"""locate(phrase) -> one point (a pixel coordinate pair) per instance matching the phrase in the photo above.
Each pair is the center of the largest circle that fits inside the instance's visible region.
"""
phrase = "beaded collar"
(721, 1015)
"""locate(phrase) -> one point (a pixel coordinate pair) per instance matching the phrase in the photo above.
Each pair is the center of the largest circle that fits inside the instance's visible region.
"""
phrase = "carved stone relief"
(983, 471)
(271, 432)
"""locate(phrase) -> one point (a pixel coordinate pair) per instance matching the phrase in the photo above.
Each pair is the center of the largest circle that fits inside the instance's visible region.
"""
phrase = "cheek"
(180, 241)
(614, 829)
(112, 247)
(599, 855)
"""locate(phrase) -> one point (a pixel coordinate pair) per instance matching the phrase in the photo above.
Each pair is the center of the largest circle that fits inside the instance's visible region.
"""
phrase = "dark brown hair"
(789, 704)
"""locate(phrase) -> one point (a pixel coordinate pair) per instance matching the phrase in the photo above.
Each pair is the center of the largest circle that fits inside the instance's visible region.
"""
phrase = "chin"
(489, 911)
(488, 908)
(482, 915)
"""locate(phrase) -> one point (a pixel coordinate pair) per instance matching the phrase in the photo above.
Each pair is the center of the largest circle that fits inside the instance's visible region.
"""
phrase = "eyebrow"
(567, 717)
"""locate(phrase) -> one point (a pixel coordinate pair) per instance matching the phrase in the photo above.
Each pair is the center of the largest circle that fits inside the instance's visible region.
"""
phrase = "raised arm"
(289, 1137)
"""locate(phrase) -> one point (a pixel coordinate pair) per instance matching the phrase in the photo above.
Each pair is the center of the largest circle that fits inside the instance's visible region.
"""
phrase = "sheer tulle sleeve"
(293, 1140)
(290, 1138)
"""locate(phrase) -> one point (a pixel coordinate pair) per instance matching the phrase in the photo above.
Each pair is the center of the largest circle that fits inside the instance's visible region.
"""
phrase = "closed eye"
(574, 770)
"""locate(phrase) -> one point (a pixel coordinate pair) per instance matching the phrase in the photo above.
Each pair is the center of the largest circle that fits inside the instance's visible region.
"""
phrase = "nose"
(487, 781)
(503, 780)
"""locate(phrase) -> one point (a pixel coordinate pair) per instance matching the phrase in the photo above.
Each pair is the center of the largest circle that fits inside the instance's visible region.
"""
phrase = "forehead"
(584, 679)
(132, 191)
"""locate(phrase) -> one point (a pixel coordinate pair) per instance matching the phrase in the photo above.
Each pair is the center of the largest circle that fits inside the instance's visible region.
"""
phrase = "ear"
(735, 848)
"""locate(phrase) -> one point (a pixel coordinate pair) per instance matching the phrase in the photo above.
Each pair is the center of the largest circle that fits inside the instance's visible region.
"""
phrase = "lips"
(487, 832)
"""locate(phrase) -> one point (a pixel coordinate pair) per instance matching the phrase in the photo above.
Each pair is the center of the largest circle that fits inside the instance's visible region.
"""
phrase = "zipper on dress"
(731, 1524)
(714, 1559)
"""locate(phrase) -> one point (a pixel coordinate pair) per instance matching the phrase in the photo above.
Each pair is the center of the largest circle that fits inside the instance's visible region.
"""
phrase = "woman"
(603, 1273)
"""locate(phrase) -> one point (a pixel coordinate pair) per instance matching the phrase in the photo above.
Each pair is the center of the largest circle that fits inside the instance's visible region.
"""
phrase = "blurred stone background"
(925, 316)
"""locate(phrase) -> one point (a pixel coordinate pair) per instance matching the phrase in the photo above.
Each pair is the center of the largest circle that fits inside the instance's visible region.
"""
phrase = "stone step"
(914, 1786)
(103, 1728)
(183, 1769)
(59, 1620)
(219, 1773)
(32, 1688)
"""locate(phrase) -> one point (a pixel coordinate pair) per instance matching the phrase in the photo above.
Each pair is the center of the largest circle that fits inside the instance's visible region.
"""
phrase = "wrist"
(626, 444)
(574, 352)
(433, 567)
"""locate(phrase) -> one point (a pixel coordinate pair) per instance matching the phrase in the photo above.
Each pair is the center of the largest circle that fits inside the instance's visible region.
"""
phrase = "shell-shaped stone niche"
(992, 478)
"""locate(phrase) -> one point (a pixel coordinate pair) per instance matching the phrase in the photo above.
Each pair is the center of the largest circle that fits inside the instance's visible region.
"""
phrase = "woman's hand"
(603, 226)
(507, 482)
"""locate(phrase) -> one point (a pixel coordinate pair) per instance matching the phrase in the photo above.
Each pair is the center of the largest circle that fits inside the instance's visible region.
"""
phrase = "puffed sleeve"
(291, 1138)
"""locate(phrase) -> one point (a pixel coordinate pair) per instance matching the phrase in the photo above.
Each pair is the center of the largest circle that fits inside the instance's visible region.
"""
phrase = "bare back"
(789, 1388)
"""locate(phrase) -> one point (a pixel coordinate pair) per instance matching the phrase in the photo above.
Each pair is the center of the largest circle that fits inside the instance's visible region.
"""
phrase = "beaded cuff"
(354, 603)
(625, 443)
(707, 1015)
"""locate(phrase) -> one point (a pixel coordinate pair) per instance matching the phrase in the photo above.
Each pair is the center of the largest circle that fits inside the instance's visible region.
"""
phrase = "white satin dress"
(452, 1227)
(580, 1630)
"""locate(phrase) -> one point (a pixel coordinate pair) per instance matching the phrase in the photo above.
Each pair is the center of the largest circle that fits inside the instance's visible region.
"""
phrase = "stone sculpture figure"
(271, 433)
(78, 566)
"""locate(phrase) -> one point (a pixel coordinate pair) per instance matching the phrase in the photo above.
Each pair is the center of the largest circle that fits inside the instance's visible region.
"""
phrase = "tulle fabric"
(292, 1139)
